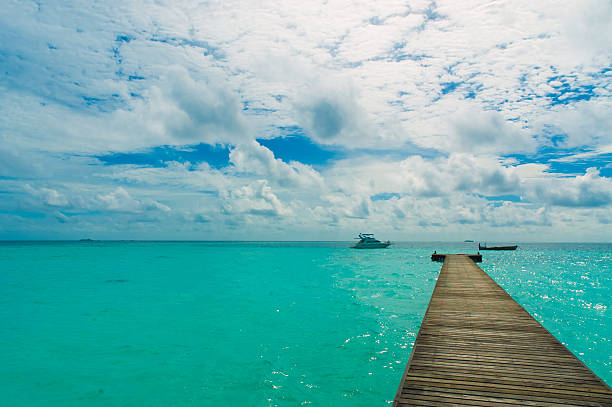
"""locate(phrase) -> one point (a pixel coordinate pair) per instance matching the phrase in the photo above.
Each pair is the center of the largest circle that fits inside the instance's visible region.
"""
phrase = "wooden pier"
(477, 346)
(477, 258)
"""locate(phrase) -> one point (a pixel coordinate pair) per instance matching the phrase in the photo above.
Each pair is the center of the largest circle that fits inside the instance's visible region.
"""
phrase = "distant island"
(469, 241)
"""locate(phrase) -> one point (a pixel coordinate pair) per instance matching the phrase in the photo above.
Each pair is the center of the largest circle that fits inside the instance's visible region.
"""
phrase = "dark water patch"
(117, 281)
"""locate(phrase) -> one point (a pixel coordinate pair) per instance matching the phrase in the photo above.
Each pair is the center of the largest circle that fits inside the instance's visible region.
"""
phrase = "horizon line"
(284, 241)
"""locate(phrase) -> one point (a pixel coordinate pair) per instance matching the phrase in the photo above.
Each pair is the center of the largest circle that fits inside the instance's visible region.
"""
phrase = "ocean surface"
(257, 324)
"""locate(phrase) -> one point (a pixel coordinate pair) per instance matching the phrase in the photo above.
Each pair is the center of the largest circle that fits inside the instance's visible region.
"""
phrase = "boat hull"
(381, 245)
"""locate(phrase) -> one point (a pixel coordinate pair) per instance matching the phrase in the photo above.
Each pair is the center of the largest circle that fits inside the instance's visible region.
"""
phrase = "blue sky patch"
(396, 154)
(558, 139)
(385, 196)
(82, 213)
(601, 162)
(123, 38)
(247, 108)
(550, 156)
(567, 92)
(206, 48)
(431, 13)
(208, 192)
(497, 198)
(448, 87)
(297, 147)
(215, 156)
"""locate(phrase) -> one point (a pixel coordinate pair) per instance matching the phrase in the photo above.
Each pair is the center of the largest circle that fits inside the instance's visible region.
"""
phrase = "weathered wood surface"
(477, 346)
(477, 258)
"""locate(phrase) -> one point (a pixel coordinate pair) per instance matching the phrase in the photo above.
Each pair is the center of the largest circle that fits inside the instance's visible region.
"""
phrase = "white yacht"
(367, 241)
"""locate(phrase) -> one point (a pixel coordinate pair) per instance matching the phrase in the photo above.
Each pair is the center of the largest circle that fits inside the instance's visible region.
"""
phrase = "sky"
(316, 120)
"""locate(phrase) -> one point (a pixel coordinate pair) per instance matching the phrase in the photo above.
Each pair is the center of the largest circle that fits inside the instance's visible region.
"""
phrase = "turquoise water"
(256, 324)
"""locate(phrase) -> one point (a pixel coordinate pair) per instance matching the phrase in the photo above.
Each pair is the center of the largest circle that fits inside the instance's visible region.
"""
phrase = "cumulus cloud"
(14, 163)
(255, 198)
(420, 177)
(330, 113)
(587, 28)
(120, 200)
(201, 111)
(256, 159)
(487, 91)
(49, 196)
(487, 131)
(468, 127)
(177, 110)
(588, 190)
(512, 215)
(180, 110)
(585, 123)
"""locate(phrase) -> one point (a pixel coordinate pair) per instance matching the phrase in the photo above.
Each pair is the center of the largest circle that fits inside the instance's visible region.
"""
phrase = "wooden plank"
(523, 389)
(477, 346)
(477, 258)
(483, 376)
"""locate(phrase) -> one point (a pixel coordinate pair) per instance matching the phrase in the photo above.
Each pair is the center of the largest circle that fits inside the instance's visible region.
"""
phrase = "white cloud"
(120, 200)
(257, 159)
(607, 149)
(587, 29)
(256, 199)
(486, 131)
(588, 190)
(178, 110)
(61, 217)
(419, 177)
(585, 123)
(470, 81)
(47, 195)
(512, 215)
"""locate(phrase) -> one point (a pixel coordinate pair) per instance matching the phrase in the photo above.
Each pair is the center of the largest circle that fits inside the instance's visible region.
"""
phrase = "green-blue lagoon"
(257, 323)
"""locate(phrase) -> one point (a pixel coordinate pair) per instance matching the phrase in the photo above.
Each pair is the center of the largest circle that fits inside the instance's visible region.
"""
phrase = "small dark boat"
(480, 247)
